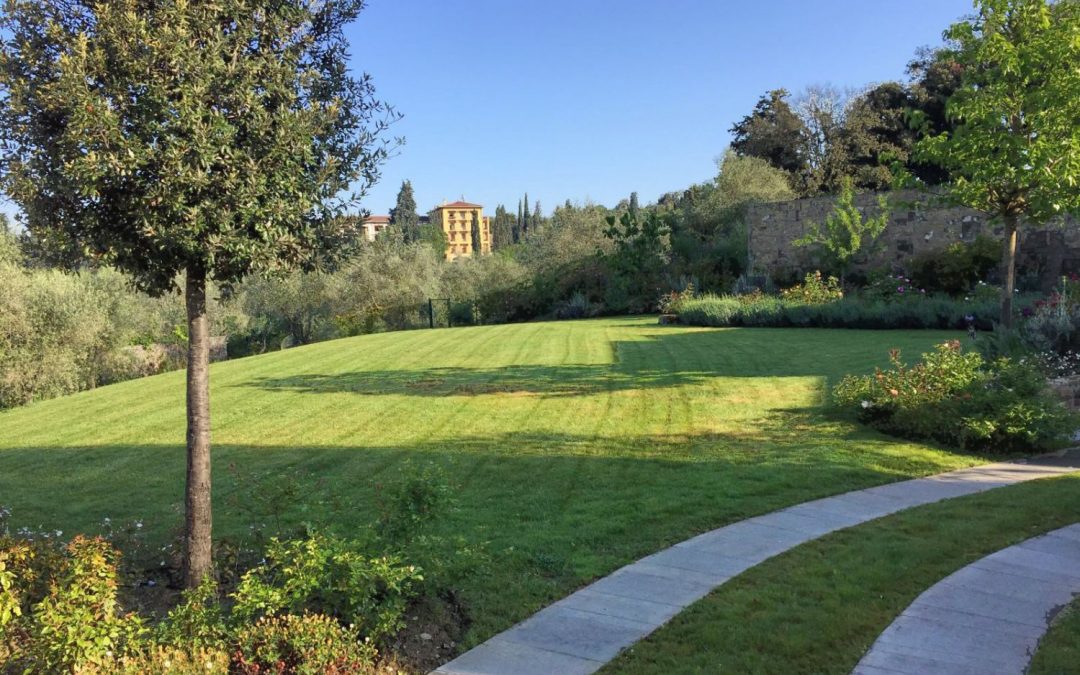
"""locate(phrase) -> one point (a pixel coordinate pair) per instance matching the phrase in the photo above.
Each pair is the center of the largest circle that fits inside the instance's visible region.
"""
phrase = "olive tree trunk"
(198, 562)
(1009, 260)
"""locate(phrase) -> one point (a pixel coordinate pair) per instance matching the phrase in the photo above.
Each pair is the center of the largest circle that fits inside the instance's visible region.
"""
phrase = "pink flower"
(899, 289)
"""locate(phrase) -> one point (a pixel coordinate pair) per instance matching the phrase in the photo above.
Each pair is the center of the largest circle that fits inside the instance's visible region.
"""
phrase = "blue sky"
(592, 99)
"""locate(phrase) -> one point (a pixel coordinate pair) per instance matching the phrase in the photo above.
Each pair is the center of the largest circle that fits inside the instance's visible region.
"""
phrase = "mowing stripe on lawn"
(587, 629)
(987, 617)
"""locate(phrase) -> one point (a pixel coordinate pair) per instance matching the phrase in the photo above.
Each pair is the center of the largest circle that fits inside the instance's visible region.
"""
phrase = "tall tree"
(474, 234)
(519, 231)
(634, 207)
(876, 136)
(403, 216)
(822, 110)
(502, 229)
(538, 217)
(525, 224)
(1015, 148)
(181, 164)
(935, 75)
(774, 133)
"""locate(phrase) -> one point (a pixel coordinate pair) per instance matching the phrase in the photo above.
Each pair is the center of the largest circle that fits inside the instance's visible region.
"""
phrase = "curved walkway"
(585, 630)
(985, 618)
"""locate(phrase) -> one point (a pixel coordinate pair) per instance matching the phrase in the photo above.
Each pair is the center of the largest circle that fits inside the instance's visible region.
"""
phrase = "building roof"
(460, 205)
(377, 220)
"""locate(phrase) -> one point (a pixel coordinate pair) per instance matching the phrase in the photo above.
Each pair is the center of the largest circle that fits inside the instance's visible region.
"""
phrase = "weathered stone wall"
(919, 223)
(1068, 388)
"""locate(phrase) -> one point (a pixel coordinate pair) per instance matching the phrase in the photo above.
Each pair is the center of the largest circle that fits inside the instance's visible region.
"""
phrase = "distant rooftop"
(377, 219)
(460, 205)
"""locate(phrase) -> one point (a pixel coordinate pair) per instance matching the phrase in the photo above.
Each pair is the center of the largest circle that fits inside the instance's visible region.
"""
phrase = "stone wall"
(1068, 388)
(919, 223)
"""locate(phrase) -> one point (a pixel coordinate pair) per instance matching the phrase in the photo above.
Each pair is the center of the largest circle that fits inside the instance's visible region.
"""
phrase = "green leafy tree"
(403, 216)
(774, 133)
(639, 260)
(186, 140)
(634, 208)
(846, 231)
(1015, 148)
(502, 229)
(537, 218)
(934, 76)
(876, 137)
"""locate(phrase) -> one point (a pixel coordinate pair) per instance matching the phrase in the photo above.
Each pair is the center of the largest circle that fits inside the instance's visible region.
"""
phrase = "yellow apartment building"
(456, 219)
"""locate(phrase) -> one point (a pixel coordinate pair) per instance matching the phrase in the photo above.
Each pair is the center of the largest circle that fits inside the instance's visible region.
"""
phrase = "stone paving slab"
(586, 635)
(980, 603)
(583, 631)
(1015, 592)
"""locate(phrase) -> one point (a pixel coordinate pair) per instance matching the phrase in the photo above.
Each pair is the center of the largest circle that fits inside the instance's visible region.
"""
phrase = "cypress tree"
(403, 216)
(475, 234)
(525, 224)
(520, 224)
(633, 205)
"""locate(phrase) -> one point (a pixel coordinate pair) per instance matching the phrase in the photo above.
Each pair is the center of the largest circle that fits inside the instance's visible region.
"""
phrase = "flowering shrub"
(669, 302)
(959, 399)
(891, 287)
(815, 290)
(1051, 329)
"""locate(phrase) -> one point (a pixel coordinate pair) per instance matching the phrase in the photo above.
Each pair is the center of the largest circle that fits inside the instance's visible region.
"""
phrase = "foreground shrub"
(79, 622)
(849, 312)
(959, 399)
(329, 575)
(311, 644)
(165, 660)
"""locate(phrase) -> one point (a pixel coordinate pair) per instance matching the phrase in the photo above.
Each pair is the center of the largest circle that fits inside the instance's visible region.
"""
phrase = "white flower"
(865, 404)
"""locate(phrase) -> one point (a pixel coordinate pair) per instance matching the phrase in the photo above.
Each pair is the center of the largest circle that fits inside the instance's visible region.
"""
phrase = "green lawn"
(1059, 650)
(575, 447)
(819, 607)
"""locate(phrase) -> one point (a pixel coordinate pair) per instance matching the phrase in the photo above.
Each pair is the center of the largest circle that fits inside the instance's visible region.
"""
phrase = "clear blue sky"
(592, 99)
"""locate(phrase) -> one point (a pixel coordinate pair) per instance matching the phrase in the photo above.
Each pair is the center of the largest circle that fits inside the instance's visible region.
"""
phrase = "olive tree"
(1014, 150)
(185, 143)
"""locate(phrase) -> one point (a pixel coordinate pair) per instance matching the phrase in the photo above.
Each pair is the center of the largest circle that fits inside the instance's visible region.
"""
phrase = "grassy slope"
(576, 447)
(819, 607)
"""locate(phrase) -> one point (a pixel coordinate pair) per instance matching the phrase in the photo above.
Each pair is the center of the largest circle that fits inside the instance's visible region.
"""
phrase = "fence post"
(431, 313)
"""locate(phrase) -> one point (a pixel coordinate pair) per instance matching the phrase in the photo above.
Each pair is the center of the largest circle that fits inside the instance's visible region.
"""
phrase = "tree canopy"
(164, 137)
(1014, 150)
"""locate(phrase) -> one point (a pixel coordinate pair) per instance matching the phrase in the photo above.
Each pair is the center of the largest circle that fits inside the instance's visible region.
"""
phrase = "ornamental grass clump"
(961, 400)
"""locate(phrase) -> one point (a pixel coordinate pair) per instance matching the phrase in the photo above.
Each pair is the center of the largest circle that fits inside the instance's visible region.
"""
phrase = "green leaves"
(124, 141)
(1016, 146)
(845, 231)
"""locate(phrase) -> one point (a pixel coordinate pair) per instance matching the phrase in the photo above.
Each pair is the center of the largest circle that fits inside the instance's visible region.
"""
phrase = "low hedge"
(849, 312)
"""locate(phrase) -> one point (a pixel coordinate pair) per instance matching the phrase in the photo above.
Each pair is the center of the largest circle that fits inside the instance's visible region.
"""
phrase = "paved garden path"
(585, 630)
(986, 618)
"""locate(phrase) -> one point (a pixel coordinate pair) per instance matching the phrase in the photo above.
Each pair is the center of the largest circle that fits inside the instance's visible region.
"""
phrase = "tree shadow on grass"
(706, 479)
(655, 360)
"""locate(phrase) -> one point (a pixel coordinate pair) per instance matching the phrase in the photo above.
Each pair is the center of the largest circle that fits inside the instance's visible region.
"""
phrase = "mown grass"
(820, 606)
(573, 447)
(1059, 650)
